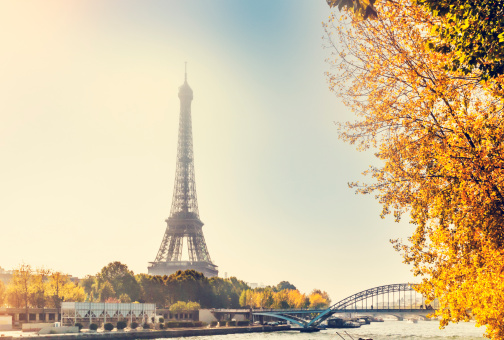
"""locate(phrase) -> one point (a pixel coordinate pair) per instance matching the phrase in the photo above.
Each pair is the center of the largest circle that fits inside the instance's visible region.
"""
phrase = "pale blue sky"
(88, 133)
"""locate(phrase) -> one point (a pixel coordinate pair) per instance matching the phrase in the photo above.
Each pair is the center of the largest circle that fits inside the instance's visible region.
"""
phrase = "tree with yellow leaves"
(60, 288)
(37, 289)
(439, 137)
(19, 286)
(2, 293)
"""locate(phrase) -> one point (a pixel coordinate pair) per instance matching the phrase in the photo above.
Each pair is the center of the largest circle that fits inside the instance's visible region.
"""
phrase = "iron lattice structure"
(359, 303)
(184, 221)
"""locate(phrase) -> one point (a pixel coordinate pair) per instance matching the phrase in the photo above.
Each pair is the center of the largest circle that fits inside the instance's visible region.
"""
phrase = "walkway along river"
(388, 330)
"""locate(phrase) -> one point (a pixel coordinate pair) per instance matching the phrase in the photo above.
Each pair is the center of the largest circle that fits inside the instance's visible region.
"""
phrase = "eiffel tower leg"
(163, 249)
(171, 248)
(201, 248)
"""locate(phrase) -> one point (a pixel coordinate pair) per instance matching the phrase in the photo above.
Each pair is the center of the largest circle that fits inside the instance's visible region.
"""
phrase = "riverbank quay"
(151, 334)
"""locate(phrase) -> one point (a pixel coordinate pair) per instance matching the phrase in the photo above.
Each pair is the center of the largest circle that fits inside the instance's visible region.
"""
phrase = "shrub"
(186, 324)
(161, 320)
(121, 325)
(199, 323)
(161, 326)
(78, 325)
(231, 323)
(222, 323)
(134, 325)
(171, 324)
(213, 324)
(93, 327)
(108, 326)
(146, 326)
(243, 323)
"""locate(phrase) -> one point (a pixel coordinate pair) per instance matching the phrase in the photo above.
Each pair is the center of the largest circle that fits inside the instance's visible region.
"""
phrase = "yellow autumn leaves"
(438, 135)
(39, 288)
(284, 299)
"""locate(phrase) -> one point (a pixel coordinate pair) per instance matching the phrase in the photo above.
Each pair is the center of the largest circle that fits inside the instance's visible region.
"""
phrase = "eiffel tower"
(184, 221)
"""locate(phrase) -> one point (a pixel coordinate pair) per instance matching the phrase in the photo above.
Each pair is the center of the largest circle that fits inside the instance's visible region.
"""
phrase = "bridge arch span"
(371, 293)
(351, 304)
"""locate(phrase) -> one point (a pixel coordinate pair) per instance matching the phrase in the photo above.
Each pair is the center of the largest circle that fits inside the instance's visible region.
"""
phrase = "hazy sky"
(88, 137)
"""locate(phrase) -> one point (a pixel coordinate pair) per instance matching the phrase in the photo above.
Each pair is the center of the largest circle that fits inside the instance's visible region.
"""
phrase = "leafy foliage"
(121, 325)
(106, 291)
(438, 134)
(473, 30)
(40, 288)
(284, 299)
(361, 8)
(121, 278)
(172, 324)
(108, 326)
(93, 327)
(180, 306)
(284, 285)
(2, 293)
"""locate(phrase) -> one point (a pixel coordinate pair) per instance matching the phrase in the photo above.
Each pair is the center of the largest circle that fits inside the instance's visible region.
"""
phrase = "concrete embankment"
(167, 333)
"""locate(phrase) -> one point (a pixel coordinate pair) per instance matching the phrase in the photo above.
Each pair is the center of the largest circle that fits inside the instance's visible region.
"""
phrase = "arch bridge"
(393, 299)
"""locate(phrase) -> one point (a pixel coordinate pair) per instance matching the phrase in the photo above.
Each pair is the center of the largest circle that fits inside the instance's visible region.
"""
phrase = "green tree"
(284, 285)
(189, 285)
(247, 298)
(226, 292)
(121, 278)
(106, 291)
(89, 283)
(152, 289)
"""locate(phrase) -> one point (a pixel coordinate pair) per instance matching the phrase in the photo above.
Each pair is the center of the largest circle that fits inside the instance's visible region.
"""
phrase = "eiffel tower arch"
(184, 223)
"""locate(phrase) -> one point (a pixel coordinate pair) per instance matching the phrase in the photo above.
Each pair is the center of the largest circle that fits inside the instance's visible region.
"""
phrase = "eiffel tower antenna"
(184, 222)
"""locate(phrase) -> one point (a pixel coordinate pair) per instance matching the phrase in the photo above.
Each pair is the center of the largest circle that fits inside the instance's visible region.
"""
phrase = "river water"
(388, 330)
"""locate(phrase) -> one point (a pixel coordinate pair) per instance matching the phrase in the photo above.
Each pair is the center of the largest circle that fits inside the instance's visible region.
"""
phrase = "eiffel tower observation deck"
(184, 222)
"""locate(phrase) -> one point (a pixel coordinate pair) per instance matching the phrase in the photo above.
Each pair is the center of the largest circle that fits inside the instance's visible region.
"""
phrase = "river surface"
(388, 330)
